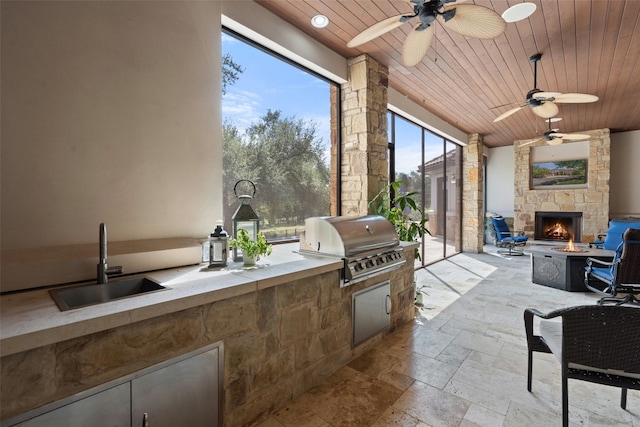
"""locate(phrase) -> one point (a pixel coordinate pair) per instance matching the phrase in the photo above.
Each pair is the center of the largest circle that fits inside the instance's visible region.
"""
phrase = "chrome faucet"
(103, 270)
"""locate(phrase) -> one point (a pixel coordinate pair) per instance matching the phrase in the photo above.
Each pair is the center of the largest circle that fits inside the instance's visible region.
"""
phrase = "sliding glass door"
(430, 165)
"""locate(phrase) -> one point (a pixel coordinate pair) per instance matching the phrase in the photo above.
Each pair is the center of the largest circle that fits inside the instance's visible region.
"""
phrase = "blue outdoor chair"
(507, 240)
(612, 238)
(622, 275)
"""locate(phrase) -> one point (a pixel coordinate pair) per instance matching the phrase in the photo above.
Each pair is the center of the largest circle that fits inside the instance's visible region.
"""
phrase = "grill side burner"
(369, 245)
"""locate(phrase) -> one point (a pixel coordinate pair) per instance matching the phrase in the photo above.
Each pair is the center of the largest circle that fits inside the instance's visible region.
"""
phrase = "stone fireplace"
(592, 202)
(558, 226)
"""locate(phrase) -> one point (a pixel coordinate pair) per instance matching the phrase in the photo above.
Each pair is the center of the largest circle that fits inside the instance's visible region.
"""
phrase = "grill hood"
(368, 244)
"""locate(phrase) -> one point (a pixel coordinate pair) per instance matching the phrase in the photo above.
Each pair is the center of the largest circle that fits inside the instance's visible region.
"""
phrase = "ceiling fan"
(543, 104)
(553, 137)
(466, 19)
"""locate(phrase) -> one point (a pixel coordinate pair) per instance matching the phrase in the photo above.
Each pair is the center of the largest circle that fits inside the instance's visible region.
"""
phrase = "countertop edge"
(26, 329)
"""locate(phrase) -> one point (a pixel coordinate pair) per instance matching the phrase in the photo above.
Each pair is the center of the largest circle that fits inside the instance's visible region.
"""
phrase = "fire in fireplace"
(560, 226)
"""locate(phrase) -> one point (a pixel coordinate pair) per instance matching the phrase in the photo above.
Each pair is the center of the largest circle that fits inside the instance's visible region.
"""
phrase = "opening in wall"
(560, 226)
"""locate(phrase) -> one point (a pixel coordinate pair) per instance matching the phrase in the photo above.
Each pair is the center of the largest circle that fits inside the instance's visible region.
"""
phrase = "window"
(279, 126)
(431, 166)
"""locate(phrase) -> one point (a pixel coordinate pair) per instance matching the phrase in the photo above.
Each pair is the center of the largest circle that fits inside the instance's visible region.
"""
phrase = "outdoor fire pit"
(562, 267)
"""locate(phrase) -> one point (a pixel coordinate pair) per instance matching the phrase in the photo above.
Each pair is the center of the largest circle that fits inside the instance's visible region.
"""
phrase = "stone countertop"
(31, 319)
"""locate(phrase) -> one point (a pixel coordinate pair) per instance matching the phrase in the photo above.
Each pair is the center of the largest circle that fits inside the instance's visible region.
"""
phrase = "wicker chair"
(599, 344)
(622, 275)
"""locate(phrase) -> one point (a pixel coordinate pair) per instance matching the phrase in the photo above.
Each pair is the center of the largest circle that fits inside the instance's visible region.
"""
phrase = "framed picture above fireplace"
(559, 174)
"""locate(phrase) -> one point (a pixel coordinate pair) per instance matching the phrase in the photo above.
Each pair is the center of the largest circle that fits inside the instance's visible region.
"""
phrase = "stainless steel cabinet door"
(109, 408)
(371, 311)
(182, 394)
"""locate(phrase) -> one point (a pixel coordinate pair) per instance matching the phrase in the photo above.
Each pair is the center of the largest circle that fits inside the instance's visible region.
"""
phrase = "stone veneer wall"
(278, 343)
(593, 201)
(365, 169)
(472, 195)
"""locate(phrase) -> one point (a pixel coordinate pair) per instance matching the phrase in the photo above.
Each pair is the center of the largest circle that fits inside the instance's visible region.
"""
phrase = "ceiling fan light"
(546, 110)
(555, 141)
(519, 12)
(320, 21)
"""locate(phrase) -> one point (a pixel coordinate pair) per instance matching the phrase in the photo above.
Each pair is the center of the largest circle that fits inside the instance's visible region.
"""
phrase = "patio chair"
(507, 240)
(613, 236)
(620, 276)
(599, 344)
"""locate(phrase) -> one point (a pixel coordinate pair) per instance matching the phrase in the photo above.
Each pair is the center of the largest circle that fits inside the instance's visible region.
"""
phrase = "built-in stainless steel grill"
(369, 245)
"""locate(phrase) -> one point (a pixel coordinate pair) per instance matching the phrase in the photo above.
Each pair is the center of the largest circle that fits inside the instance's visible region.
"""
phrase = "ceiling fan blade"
(475, 21)
(507, 114)
(376, 30)
(572, 136)
(531, 141)
(575, 98)
(416, 46)
(546, 110)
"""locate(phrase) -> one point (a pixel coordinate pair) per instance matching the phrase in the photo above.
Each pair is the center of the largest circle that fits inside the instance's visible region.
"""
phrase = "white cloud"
(241, 108)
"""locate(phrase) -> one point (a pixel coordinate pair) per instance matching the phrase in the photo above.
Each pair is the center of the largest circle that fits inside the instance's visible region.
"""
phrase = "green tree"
(230, 72)
(285, 159)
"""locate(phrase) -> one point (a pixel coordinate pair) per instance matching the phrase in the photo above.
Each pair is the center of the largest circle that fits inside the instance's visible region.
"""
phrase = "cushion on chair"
(603, 273)
(551, 332)
(502, 230)
(614, 234)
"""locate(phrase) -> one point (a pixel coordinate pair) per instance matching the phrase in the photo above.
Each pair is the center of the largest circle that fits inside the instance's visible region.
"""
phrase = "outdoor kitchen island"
(285, 327)
(555, 266)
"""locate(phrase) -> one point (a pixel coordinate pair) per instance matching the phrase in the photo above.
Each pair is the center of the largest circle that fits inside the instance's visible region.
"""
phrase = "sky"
(270, 83)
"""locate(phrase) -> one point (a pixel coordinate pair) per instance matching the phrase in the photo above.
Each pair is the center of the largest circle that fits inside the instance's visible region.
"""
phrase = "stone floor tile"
(395, 418)
(355, 400)
(432, 406)
(271, 422)
(483, 417)
(428, 370)
(519, 416)
(479, 396)
(480, 342)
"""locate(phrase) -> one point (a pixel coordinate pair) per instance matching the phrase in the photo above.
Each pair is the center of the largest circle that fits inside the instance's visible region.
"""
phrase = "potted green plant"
(402, 211)
(251, 250)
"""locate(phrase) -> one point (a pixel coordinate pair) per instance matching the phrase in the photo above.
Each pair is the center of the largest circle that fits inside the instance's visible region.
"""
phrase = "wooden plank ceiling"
(587, 46)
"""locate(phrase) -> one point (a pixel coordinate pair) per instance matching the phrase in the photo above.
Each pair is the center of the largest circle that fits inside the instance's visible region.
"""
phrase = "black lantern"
(244, 217)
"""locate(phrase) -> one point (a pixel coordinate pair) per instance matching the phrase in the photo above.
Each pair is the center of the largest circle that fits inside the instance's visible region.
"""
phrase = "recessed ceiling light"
(319, 21)
(518, 12)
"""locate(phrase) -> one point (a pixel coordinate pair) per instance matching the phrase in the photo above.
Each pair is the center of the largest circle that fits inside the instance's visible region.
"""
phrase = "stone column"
(364, 167)
(472, 195)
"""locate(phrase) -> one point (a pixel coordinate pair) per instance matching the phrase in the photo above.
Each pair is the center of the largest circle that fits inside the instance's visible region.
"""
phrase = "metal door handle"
(145, 420)
(387, 304)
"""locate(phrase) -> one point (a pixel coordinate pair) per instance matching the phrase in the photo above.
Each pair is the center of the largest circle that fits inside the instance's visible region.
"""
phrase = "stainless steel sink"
(92, 294)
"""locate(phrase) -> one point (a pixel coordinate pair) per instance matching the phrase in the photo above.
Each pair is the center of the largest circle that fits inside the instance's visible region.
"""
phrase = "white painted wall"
(624, 196)
(500, 185)
(110, 113)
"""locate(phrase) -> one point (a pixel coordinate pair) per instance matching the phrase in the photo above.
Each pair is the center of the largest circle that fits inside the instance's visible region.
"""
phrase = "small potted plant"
(251, 250)
(402, 211)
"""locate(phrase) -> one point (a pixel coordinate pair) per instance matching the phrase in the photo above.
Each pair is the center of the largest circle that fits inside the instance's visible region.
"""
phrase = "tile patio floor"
(462, 362)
